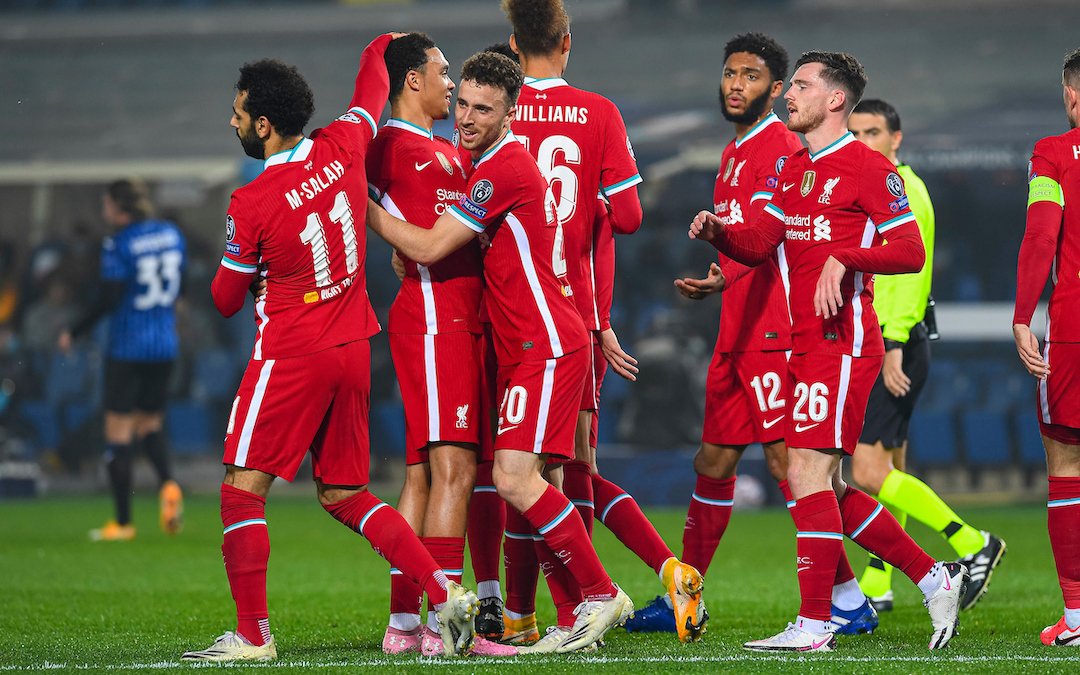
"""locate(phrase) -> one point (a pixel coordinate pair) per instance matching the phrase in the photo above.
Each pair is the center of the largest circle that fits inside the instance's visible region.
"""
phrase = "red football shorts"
(1058, 399)
(600, 368)
(590, 395)
(826, 399)
(440, 378)
(489, 395)
(539, 408)
(317, 402)
(744, 398)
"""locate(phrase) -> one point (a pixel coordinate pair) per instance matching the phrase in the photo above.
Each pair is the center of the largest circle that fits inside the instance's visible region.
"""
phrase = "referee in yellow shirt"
(878, 464)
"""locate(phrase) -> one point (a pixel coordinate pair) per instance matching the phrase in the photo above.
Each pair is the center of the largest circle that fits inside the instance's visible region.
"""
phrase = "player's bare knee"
(868, 475)
(332, 494)
(248, 480)
(776, 460)
(716, 461)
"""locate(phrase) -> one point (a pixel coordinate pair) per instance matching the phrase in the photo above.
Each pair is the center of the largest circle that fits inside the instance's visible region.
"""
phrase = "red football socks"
(707, 520)
(819, 543)
(559, 524)
(393, 539)
(621, 514)
(246, 549)
(871, 526)
(578, 488)
(519, 556)
(565, 592)
(487, 519)
(1063, 521)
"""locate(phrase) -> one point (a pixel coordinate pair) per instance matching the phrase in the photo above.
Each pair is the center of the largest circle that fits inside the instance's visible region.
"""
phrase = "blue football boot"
(863, 619)
(656, 617)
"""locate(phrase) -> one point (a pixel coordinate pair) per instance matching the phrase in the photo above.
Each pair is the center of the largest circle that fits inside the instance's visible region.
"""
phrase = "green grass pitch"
(69, 604)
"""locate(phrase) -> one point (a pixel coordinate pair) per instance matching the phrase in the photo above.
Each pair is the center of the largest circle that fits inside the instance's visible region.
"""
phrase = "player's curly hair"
(1071, 69)
(539, 25)
(504, 49)
(495, 70)
(132, 197)
(840, 70)
(875, 106)
(759, 44)
(279, 93)
(405, 54)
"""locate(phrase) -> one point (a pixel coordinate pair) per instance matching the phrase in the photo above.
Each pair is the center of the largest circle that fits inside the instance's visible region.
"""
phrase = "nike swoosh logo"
(421, 167)
(1061, 643)
(801, 569)
(502, 430)
(768, 425)
(948, 584)
(788, 187)
(817, 645)
(801, 428)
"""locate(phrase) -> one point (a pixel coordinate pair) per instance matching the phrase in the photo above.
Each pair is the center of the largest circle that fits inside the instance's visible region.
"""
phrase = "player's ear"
(777, 89)
(838, 100)
(897, 138)
(263, 127)
(566, 43)
(412, 79)
(513, 44)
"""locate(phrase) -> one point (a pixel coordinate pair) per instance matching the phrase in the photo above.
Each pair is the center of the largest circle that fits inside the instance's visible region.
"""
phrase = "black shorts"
(133, 385)
(888, 416)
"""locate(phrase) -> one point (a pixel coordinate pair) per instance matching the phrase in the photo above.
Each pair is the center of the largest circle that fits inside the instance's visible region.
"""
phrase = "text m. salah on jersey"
(315, 184)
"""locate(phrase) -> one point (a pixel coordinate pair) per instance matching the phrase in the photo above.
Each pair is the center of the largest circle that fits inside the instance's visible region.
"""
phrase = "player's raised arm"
(423, 246)
(372, 81)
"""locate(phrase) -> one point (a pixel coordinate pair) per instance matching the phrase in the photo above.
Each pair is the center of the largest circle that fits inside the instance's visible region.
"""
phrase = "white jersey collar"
(298, 154)
(490, 152)
(771, 118)
(543, 84)
(410, 127)
(847, 139)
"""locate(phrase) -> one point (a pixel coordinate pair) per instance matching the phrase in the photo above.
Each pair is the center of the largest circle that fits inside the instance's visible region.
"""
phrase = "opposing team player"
(1052, 242)
(540, 342)
(900, 302)
(836, 201)
(744, 392)
(434, 333)
(580, 143)
(142, 266)
(308, 382)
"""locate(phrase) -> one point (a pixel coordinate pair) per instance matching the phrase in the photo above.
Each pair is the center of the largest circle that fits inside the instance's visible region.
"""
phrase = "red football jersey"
(754, 314)
(415, 176)
(603, 263)
(579, 140)
(845, 196)
(1056, 158)
(510, 203)
(303, 220)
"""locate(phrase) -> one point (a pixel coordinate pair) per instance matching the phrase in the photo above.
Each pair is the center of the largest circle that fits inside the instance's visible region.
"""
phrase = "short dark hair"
(759, 44)
(539, 25)
(1071, 69)
(840, 70)
(502, 48)
(495, 70)
(132, 197)
(279, 93)
(405, 54)
(875, 106)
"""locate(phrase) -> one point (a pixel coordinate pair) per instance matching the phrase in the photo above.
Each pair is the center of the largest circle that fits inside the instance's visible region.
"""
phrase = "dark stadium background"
(93, 90)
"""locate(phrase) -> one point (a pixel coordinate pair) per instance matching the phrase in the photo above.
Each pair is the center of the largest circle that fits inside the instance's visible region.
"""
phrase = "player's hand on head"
(705, 226)
(1027, 346)
(892, 373)
(394, 36)
(624, 365)
(827, 297)
(696, 289)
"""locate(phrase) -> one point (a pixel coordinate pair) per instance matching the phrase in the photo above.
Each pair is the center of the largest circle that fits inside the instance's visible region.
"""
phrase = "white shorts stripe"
(607, 510)
(252, 416)
(841, 400)
(545, 405)
(1044, 394)
(431, 379)
(244, 523)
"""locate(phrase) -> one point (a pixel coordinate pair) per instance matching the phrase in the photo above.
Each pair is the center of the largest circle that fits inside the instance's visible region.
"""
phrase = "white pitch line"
(381, 663)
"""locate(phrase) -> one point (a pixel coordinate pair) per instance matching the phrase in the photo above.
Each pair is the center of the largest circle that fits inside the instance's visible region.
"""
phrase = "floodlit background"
(94, 90)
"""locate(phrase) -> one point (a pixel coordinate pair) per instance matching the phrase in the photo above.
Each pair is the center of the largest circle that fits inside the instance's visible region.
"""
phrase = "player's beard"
(752, 113)
(254, 146)
(809, 119)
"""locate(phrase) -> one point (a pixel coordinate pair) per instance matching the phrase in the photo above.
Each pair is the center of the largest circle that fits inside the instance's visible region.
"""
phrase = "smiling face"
(483, 116)
(747, 88)
(808, 98)
(436, 85)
